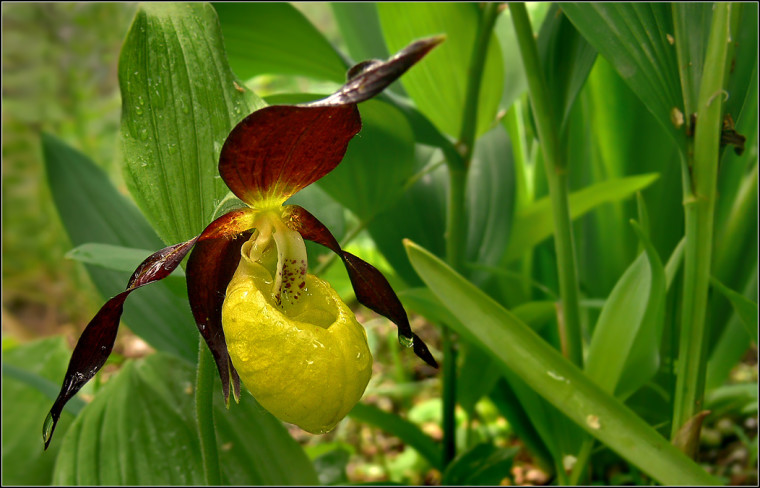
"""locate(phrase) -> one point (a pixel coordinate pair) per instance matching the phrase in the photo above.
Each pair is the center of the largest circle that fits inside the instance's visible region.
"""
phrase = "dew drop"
(144, 134)
(138, 110)
(172, 149)
(406, 341)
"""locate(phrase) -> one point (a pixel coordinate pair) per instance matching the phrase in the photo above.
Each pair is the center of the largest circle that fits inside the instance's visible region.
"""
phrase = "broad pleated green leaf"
(141, 429)
(533, 223)
(437, 89)
(633, 38)
(92, 210)
(276, 38)
(518, 349)
(25, 368)
(624, 350)
(179, 102)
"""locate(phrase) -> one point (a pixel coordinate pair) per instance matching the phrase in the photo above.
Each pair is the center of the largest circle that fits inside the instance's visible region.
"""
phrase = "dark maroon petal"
(300, 220)
(280, 149)
(371, 288)
(209, 270)
(96, 342)
(369, 78)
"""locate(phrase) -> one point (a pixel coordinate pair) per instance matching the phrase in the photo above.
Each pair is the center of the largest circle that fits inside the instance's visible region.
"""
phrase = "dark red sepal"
(209, 271)
(368, 78)
(371, 288)
(96, 342)
(280, 149)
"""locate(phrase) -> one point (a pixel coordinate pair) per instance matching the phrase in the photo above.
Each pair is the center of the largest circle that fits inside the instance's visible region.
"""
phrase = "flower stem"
(700, 183)
(204, 409)
(557, 179)
(455, 215)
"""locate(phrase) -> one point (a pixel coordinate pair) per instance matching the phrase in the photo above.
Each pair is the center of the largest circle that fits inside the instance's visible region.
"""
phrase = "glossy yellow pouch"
(303, 356)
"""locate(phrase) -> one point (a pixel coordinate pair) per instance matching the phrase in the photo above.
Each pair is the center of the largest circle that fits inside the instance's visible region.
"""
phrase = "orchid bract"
(282, 332)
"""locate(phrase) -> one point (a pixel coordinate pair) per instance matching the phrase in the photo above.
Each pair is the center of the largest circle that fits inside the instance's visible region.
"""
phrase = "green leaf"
(534, 223)
(745, 308)
(567, 60)
(518, 349)
(633, 38)
(24, 408)
(489, 200)
(141, 429)
(359, 26)
(179, 102)
(426, 224)
(624, 351)
(92, 210)
(484, 464)
(276, 38)
(108, 256)
(401, 428)
(437, 89)
(377, 164)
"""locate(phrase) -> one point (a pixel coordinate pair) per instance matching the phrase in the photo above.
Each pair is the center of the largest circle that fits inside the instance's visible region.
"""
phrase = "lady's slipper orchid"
(282, 331)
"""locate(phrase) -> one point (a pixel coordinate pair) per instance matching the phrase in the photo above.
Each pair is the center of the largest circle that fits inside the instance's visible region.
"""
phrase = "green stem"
(557, 179)
(699, 206)
(204, 408)
(455, 216)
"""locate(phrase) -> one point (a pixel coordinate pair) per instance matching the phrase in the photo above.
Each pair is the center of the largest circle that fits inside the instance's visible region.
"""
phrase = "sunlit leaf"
(276, 38)
(745, 308)
(439, 91)
(624, 350)
(518, 349)
(179, 102)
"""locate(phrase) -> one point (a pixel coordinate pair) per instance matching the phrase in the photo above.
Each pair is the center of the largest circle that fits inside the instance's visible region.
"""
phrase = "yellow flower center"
(295, 344)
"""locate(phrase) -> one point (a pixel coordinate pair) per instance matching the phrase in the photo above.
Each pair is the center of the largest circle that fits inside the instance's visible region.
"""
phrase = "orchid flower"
(283, 332)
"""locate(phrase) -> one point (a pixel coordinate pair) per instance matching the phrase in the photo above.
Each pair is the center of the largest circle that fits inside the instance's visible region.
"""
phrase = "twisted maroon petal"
(96, 342)
(371, 288)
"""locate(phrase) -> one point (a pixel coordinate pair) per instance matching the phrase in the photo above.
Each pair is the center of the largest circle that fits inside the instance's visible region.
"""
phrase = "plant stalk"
(557, 179)
(204, 409)
(455, 216)
(699, 204)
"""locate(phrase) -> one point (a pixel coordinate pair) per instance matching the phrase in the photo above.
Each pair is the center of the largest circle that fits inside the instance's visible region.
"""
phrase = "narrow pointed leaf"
(96, 342)
(533, 223)
(280, 149)
(516, 347)
(627, 334)
(745, 308)
(179, 101)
